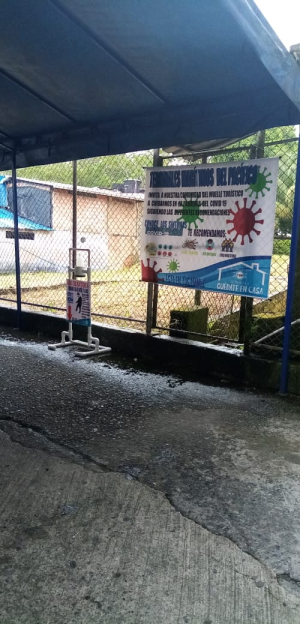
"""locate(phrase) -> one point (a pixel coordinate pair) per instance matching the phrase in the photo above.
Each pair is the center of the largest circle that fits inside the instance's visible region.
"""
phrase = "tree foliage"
(287, 153)
(105, 171)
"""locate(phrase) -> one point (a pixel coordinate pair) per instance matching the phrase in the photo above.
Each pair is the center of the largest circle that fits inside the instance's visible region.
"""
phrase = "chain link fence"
(268, 316)
(226, 313)
(109, 204)
(106, 218)
(7, 248)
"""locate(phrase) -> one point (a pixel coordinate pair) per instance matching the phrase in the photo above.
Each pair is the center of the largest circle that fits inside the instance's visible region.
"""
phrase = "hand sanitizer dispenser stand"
(79, 306)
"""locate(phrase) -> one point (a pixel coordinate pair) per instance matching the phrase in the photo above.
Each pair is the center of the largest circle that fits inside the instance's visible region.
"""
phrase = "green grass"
(121, 292)
(44, 279)
(282, 247)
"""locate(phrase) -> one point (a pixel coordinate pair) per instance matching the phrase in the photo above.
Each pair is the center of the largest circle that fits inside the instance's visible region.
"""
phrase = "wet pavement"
(79, 545)
(227, 459)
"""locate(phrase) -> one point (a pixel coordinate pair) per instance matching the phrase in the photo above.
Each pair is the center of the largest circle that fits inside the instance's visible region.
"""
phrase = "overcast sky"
(284, 17)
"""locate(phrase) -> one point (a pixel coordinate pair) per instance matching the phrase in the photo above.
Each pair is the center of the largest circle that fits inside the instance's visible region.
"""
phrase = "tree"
(103, 171)
(287, 153)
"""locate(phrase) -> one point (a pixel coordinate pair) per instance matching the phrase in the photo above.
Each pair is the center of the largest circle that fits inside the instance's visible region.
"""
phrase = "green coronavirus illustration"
(173, 266)
(261, 184)
(190, 213)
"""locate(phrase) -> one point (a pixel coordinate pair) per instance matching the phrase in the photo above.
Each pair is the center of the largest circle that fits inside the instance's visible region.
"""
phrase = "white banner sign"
(211, 227)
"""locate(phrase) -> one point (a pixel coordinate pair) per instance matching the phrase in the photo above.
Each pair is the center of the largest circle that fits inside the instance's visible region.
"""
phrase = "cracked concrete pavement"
(81, 545)
(227, 460)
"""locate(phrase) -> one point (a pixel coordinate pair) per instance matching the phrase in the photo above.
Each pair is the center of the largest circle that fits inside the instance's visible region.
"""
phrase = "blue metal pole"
(291, 283)
(16, 235)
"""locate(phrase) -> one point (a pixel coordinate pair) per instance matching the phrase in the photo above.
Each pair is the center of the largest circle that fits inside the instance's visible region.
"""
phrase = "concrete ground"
(131, 496)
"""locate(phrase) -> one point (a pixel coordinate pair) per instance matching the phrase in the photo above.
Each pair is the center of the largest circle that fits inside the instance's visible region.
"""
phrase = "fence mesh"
(109, 212)
(268, 316)
(223, 309)
(109, 216)
(7, 252)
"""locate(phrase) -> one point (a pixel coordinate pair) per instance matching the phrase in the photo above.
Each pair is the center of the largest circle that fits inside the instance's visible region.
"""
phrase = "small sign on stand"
(79, 307)
(78, 302)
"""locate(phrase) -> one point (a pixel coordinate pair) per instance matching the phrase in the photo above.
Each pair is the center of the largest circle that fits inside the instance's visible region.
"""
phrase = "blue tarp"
(80, 79)
(7, 222)
(3, 193)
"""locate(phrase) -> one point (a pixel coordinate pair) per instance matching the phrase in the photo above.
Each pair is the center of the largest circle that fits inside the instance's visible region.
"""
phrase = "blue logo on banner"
(247, 276)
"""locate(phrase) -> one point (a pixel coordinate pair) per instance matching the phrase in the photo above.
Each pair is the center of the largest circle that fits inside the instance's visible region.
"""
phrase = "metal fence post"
(152, 293)
(74, 217)
(16, 237)
(256, 151)
(244, 304)
(197, 297)
(149, 308)
(291, 282)
(157, 162)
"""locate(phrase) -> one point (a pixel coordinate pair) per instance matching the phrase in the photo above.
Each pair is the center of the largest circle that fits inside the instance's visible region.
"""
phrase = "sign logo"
(209, 244)
(151, 249)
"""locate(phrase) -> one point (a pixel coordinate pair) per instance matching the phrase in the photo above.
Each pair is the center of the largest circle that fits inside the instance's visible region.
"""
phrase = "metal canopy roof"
(201, 147)
(81, 79)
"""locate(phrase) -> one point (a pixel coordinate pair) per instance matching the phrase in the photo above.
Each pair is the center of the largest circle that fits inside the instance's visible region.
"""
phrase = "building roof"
(125, 76)
(7, 222)
(94, 190)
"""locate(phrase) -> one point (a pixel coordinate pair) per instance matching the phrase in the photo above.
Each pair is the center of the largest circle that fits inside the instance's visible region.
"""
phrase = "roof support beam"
(36, 95)
(111, 53)
(6, 147)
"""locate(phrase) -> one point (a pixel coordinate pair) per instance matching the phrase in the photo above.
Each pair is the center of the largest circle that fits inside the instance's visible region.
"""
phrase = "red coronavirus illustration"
(149, 273)
(244, 221)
